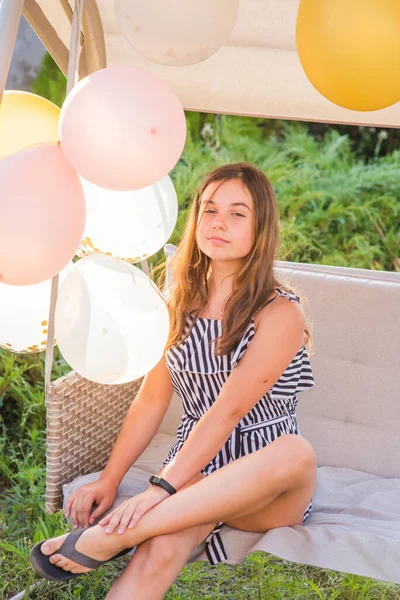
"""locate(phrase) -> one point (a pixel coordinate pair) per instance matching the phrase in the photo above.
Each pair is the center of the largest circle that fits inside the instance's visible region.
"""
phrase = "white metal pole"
(72, 78)
(10, 16)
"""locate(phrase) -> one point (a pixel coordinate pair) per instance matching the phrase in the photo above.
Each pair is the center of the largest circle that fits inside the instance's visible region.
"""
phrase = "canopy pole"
(72, 77)
(10, 16)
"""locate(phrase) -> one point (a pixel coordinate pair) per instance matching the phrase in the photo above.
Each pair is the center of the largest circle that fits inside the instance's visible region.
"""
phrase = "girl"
(236, 356)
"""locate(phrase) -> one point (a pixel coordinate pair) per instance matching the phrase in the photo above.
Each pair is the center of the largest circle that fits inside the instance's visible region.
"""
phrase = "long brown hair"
(253, 283)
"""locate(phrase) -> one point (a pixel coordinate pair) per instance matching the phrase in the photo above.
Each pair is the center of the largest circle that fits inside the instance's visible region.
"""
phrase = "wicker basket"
(83, 421)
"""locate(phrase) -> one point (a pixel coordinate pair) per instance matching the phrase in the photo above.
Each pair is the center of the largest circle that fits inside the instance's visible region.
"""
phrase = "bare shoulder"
(282, 311)
(278, 338)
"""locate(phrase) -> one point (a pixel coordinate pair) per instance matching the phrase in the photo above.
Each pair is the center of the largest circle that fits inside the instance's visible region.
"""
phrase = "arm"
(141, 423)
(278, 337)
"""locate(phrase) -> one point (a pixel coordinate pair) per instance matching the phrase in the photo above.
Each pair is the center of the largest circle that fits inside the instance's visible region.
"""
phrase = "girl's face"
(225, 223)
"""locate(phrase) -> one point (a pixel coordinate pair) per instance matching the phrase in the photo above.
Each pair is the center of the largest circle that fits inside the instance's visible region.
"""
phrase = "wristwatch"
(156, 480)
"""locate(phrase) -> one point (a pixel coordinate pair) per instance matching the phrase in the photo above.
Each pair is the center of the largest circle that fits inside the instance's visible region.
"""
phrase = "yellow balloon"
(350, 50)
(25, 120)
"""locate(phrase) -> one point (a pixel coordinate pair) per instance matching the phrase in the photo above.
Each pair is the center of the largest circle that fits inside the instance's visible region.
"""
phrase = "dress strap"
(292, 297)
(274, 298)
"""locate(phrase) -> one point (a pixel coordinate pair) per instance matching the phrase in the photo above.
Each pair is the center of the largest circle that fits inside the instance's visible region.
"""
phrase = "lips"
(214, 237)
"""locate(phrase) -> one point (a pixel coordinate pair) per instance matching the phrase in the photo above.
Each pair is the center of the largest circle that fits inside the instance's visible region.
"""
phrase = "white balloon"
(176, 32)
(129, 225)
(24, 315)
(111, 321)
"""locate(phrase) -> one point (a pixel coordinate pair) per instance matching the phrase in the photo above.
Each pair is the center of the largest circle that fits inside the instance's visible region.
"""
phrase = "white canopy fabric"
(257, 72)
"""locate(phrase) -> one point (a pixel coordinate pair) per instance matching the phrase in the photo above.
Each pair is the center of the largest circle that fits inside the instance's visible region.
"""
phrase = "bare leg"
(156, 564)
(244, 487)
(240, 488)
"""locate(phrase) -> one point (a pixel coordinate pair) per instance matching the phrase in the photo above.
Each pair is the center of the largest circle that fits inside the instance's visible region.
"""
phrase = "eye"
(211, 211)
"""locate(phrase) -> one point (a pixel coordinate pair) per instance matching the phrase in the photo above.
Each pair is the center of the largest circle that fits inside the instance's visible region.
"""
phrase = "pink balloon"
(42, 215)
(122, 128)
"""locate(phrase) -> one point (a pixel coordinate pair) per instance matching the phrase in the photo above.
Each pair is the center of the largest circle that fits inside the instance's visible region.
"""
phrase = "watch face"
(154, 479)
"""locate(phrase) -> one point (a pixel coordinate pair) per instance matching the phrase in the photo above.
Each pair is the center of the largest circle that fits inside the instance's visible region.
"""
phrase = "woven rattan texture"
(83, 421)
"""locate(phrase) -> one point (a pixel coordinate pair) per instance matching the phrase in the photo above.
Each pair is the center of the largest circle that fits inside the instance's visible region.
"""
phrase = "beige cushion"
(351, 415)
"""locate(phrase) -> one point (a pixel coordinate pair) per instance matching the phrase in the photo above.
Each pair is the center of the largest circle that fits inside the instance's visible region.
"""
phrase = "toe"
(51, 546)
(61, 562)
(79, 570)
(56, 558)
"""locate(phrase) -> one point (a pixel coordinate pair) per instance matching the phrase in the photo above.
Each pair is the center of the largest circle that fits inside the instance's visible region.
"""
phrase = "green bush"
(50, 82)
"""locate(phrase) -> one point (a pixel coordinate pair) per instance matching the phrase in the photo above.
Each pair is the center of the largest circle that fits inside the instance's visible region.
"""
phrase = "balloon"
(350, 51)
(42, 215)
(25, 120)
(122, 128)
(129, 225)
(111, 322)
(176, 32)
(24, 314)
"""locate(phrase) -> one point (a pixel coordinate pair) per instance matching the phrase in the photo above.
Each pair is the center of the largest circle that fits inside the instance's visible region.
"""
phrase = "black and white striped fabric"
(198, 375)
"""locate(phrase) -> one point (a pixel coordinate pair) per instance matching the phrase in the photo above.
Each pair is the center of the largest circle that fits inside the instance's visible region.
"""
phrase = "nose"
(219, 223)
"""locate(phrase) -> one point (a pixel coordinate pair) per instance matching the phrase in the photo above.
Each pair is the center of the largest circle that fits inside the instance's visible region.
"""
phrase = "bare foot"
(94, 542)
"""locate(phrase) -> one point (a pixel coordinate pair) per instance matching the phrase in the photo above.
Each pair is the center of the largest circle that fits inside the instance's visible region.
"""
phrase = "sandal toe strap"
(69, 551)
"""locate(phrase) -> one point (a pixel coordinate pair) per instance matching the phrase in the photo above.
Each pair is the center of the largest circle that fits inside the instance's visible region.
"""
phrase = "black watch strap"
(156, 480)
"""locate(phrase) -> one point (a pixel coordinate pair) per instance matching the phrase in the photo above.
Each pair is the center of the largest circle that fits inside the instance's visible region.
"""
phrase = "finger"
(73, 513)
(133, 522)
(86, 498)
(87, 503)
(137, 515)
(105, 520)
(97, 512)
(114, 522)
(79, 499)
(69, 504)
(126, 517)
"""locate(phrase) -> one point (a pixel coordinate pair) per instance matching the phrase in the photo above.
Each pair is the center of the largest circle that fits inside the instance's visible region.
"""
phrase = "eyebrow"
(232, 203)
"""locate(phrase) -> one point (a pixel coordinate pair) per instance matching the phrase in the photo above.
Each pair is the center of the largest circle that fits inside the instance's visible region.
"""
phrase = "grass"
(260, 577)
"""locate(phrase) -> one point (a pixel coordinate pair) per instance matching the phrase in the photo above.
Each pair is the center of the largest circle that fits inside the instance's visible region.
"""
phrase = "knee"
(305, 452)
(159, 552)
(299, 457)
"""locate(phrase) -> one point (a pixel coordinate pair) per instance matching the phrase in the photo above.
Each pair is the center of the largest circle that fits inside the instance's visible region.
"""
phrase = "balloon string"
(72, 77)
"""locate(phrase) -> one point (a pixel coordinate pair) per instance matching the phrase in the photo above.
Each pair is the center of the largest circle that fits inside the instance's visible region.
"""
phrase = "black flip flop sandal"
(45, 568)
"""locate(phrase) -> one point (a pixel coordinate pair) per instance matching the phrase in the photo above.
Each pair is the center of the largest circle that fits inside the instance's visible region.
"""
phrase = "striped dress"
(198, 375)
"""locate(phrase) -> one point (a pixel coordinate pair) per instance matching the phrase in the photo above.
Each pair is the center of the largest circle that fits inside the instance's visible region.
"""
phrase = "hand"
(80, 503)
(130, 511)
